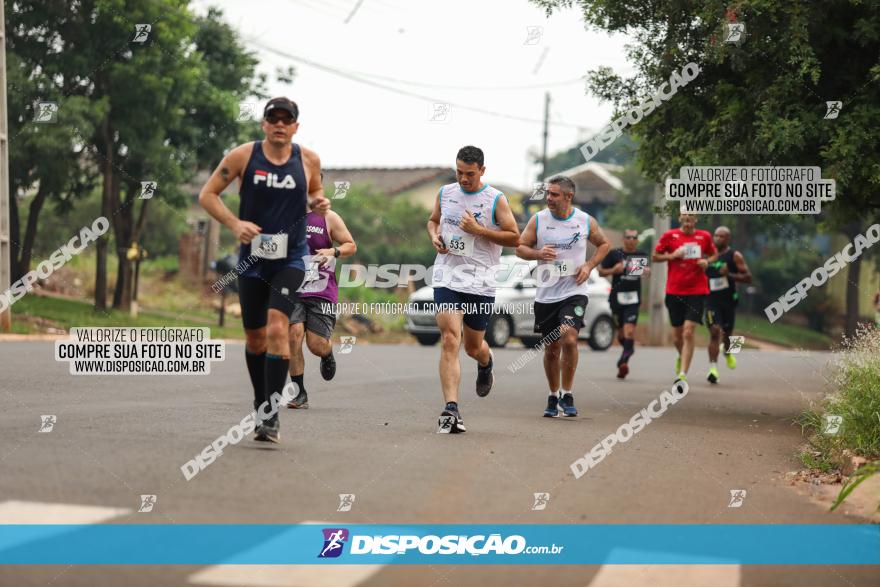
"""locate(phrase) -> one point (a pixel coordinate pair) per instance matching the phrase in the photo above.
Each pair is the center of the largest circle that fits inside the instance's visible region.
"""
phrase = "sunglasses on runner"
(272, 119)
(628, 237)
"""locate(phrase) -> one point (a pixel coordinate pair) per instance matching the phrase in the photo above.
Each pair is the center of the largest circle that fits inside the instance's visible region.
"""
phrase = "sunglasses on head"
(273, 118)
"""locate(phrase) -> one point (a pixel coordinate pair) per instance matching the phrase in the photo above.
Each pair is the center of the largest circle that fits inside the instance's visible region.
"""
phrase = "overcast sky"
(430, 53)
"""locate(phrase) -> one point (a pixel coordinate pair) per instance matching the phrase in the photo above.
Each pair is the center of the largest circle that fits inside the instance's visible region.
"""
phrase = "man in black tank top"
(279, 182)
(626, 265)
(723, 275)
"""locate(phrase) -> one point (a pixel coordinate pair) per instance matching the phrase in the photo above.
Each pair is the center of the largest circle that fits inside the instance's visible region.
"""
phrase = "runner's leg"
(253, 295)
(551, 365)
(476, 346)
(569, 356)
(450, 342)
(297, 361)
(714, 342)
(687, 345)
(296, 334)
(318, 345)
(678, 338)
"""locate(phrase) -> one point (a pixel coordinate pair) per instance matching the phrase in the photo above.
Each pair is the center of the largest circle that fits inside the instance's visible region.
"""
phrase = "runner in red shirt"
(688, 251)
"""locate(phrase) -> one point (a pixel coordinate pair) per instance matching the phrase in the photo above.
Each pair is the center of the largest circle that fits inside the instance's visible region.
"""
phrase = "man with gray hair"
(557, 237)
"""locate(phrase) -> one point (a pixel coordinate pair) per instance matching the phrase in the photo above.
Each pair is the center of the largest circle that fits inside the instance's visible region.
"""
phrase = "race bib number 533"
(460, 244)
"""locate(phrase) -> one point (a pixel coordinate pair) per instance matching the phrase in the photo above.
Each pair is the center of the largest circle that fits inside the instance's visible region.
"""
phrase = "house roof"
(595, 182)
(389, 180)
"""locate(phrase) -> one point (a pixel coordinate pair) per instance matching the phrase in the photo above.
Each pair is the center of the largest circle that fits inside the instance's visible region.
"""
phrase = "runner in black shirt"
(723, 276)
(627, 265)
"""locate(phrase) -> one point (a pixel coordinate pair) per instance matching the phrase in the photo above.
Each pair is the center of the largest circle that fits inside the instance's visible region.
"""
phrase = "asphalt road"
(371, 432)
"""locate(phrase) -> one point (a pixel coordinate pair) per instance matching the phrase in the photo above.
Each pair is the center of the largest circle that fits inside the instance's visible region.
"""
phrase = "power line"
(353, 11)
(359, 77)
(537, 86)
(317, 7)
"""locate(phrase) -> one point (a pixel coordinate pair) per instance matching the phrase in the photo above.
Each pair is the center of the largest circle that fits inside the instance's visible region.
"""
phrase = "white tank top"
(569, 237)
(471, 255)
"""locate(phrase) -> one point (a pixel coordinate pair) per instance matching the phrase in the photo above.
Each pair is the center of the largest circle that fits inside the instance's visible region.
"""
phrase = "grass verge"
(847, 421)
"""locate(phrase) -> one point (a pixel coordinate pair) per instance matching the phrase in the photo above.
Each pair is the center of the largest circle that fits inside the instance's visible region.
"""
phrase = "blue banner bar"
(207, 544)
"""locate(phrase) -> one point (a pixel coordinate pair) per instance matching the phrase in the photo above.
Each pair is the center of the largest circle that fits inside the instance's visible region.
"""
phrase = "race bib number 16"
(565, 267)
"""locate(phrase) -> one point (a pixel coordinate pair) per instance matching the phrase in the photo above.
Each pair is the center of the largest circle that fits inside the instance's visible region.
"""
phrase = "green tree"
(394, 227)
(156, 110)
(621, 152)
(45, 159)
(758, 103)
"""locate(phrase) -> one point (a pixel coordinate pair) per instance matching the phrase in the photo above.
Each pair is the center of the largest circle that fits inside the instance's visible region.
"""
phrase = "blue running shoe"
(552, 409)
(567, 405)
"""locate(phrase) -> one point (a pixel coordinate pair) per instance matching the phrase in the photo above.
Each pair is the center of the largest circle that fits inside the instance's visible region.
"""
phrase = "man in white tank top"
(557, 237)
(470, 224)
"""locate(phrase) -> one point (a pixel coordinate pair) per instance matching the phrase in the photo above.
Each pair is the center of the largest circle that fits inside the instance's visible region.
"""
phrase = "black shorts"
(551, 315)
(257, 295)
(311, 311)
(477, 309)
(628, 314)
(722, 314)
(683, 308)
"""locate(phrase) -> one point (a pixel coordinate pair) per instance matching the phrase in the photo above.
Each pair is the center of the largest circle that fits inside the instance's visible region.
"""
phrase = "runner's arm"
(231, 167)
(316, 201)
(608, 267)
(600, 241)
(434, 228)
(339, 234)
(508, 236)
(527, 241)
(742, 275)
(661, 252)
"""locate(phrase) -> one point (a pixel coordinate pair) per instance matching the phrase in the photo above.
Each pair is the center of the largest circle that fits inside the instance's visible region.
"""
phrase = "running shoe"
(269, 431)
(552, 409)
(713, 375)
(680, 384)
(328, 367)
(566, 402)
(485, 377)
(731, 360)
(678, 364)
(450, 422)
(300, 402)
(622, 370)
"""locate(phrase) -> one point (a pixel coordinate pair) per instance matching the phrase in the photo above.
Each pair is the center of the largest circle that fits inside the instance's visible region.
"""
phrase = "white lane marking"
(285, 575)
(35, 512)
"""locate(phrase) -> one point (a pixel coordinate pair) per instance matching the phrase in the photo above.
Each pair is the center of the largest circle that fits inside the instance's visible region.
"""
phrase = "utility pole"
(546, 124)
(5, 238)
(657, 282)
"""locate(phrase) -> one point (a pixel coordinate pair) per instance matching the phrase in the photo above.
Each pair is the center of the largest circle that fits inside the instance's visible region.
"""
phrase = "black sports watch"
(336, 251)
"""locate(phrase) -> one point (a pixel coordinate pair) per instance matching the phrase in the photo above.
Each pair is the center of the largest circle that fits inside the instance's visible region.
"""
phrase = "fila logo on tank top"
(469, 254)
(273, 196)
(569, 237)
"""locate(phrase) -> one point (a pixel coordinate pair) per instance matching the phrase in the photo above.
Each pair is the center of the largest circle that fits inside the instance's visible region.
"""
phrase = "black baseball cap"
(282, 104)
